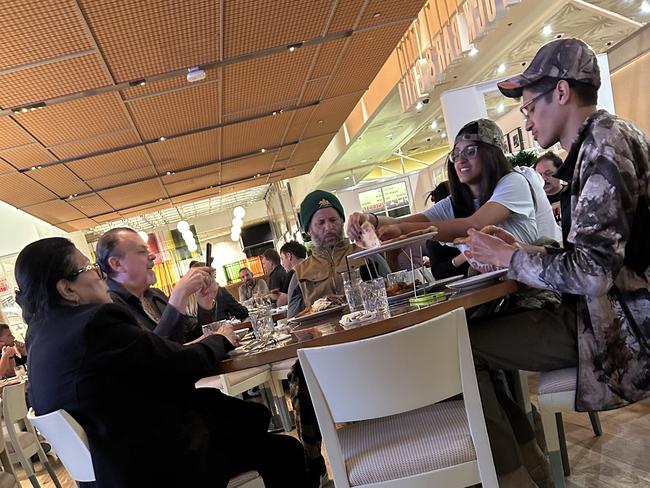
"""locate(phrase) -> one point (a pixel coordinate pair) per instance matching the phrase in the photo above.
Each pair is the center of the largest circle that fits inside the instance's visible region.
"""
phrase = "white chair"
(556, 393)
(69, 439)
(7, 475)
(23, 441)
(236, 383)
(391, 387)
(280, 371)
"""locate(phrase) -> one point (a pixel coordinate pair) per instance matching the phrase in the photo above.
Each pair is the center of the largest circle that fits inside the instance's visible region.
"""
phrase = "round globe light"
(183, 226)
(234, 236)
(237, 222)
(143, 235)
(239, 212)
(191, 246)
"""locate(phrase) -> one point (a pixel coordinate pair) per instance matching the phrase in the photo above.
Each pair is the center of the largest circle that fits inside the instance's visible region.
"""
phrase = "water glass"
(399, 277)
(352, 289)
(262, 322)
(209, 328)
(374, 296)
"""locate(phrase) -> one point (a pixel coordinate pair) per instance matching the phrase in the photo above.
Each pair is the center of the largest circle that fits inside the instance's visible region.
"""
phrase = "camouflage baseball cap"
(481, 130)
(568, 59)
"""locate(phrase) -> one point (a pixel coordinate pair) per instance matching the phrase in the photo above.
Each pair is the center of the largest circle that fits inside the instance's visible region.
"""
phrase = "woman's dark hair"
(494, 166)
(438, 193)
(587, 94)
(39, 267)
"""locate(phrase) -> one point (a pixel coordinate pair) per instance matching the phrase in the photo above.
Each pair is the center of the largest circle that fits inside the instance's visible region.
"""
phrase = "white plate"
(478, 280)
(392, 245)
(314, 315)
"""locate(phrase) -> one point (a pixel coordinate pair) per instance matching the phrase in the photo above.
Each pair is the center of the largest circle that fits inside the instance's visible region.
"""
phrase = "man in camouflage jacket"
(604, 269)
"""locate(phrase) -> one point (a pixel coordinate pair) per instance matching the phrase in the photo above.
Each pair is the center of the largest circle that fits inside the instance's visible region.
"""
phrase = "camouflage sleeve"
(599, 232)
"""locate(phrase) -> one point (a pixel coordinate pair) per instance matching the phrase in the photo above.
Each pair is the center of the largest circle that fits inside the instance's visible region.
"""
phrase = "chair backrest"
(392, 373)
(69, 440)
(395, 373)
(14, 405)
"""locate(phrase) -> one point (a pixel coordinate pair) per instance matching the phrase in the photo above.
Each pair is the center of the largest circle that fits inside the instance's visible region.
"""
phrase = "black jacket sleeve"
(227, 305)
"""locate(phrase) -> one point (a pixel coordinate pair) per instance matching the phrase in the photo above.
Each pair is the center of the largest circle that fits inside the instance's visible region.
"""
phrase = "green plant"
(523, 158)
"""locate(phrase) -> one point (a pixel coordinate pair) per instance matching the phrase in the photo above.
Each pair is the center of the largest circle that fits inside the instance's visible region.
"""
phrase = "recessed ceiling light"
(501, 69)
(473, 51)
(293, 47)
(434, 124)
(376, 14)
(263, 150)
(346, 178)
(547, 30)
(389, 136)
(364, 160)
(443, 135)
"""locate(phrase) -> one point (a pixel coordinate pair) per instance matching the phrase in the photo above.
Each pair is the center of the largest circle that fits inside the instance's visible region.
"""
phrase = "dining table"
(327, 329)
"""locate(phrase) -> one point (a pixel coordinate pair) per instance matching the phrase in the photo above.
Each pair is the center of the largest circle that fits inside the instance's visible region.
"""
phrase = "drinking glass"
(374, 296)
(352, 288)
(399, 276)
(262, 322)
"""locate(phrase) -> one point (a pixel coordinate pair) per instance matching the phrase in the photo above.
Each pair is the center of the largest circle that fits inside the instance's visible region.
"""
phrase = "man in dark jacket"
(126, 259)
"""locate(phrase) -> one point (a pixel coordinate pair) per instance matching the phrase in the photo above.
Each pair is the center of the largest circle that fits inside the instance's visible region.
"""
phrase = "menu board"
(372, 201)
(395, 195)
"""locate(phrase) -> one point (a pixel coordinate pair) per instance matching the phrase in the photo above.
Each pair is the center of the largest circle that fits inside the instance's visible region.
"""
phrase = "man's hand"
(8, 352)
(19, 348)
(489, 249)
(389, 232)
(206, 297)
(355, 221)
(502, 234)
(195, 279)
(227, 331)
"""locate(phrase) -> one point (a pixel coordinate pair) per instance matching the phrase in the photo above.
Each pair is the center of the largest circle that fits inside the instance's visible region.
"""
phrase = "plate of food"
(321, 307)
(353, 319)
(478, 280)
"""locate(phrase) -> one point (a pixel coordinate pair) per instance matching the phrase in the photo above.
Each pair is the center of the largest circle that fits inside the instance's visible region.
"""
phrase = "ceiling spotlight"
(364, 161)
(418, 106)
(547, 30)
(168, 173)
(389, 136)
(293, 47)
(163, 138)
(473, 51)
(376, 14)
(237, 223)
(500, 108)
(346, 177)
(195, 74)
(275, 112)
(140, 82)
(263, 150)
(434, 124)
(501, 69)
(443, 135)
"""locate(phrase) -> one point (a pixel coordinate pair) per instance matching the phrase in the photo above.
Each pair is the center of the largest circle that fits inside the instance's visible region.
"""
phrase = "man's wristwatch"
(376, 224)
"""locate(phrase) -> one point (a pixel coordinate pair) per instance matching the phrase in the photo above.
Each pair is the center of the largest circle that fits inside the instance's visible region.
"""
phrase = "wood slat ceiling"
(99, 146)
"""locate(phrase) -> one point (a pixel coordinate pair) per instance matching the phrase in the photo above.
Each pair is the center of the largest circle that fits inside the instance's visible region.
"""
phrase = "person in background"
(133, 391)
(322, 216)
(547, 165)
(292, 253)
(251, 287)
(224, 307)
(125, 258)
(444, 261)
(13, 352)
(603, 270)
(278, 277)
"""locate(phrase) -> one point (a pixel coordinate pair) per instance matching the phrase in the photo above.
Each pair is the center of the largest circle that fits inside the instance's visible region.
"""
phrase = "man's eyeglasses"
(89, 267)
(526, 108)
(468, 152)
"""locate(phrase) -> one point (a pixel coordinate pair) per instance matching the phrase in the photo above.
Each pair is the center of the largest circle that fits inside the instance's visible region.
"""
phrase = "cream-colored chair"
(7, 474)
(236, 383)
(69, 439)
(23, 441)
(556, 393)
(280, 371)
(391, 388)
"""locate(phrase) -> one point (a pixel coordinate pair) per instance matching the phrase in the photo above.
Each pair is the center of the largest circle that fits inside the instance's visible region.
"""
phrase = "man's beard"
(328, 243)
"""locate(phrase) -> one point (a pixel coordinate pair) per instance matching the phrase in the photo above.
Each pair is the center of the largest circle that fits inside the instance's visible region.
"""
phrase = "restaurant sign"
(456, 33)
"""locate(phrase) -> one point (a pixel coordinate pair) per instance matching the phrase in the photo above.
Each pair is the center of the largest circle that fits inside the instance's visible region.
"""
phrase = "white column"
(461, 106)
(605, 94)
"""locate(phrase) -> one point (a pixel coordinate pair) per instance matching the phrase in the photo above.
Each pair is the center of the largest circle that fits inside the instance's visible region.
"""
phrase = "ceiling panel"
(52, 80)
(310, 149)
(184, 152)
(143, 38)
(60, 180)
(11, 134)
(313, 90)
(260, 82)
(91, 205)
(55, 211)
(193, 184)
(274, 24)
(387, 12)
(166, 84)
(246, 168)
(122, 177)
(364, 57)
(327, 57)
(176, 111)
(20, 190)
(28, 156)
(298, 124)
(6, 167)
(111, 163)
(133, 194)
(95, 144)
(43, 29)
(346, 15)
(327, 116)
(77, 119)
(75, 225)
(197, 195)
(197, 173)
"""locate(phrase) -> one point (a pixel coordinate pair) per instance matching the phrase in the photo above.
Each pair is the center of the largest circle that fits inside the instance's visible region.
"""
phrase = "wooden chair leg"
(563, 450)
(595, 423)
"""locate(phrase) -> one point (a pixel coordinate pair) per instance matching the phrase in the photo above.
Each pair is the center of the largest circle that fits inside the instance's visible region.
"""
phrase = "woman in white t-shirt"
(484, 191)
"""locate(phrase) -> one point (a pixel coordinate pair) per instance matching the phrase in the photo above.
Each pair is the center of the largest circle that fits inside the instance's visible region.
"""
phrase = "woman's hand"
(19, 348)
(355, 221)
(489, 249)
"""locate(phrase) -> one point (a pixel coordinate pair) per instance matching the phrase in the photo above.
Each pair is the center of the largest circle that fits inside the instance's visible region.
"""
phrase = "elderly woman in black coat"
(133, 391)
